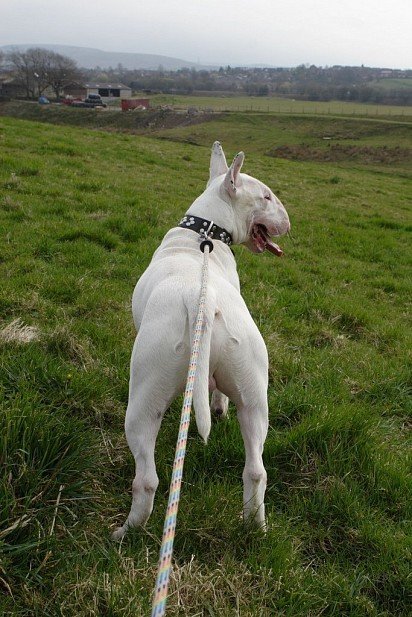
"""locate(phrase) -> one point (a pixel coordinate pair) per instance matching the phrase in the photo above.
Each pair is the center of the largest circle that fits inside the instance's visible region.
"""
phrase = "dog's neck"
(213, 207)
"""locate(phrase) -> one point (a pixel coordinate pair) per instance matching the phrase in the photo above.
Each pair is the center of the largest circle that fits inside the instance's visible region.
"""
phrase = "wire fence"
(311, 110)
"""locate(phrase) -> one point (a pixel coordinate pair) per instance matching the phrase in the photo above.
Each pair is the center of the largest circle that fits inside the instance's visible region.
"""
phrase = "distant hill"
(89, 58)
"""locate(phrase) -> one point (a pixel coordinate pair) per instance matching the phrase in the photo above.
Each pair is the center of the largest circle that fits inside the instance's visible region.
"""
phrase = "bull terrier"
(233, 362)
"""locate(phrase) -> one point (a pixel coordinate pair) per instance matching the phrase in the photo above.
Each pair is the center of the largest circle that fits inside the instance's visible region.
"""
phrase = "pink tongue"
(273, 248)
(267, 242)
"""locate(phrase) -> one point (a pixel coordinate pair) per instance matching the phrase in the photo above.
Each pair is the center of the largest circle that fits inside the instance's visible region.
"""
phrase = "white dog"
(233, 360)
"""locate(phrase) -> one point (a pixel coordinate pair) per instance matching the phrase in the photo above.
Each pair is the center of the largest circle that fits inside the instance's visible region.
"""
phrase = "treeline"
(304, 82)
(37, 70)
(363, 84)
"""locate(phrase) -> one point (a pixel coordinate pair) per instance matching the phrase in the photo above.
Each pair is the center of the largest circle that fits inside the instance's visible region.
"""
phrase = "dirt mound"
(107, 119)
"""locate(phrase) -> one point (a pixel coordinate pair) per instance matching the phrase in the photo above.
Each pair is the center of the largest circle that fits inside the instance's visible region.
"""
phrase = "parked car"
(69, 100)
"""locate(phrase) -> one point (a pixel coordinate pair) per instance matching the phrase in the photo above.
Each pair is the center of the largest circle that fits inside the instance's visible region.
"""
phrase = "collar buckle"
(206, 233)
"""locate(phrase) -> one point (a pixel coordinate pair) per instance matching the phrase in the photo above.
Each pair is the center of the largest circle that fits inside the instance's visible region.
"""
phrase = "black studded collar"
(205, 228)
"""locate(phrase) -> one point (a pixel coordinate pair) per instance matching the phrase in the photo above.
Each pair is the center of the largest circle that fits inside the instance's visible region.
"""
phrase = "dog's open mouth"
(262, 241)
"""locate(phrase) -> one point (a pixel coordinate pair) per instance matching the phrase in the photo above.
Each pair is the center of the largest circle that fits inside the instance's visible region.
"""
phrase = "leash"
(169, 529)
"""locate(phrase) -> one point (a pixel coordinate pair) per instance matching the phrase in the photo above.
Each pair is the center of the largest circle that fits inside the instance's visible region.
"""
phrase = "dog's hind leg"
(253, 420)
(246, 383)
(151, 392)
(142, 425)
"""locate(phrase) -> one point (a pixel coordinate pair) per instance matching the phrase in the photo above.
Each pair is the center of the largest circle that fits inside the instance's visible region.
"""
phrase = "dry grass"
(18, 332)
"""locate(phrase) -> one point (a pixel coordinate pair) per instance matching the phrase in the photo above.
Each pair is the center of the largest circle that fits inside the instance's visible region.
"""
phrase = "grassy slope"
(81, 213)
(261, 133)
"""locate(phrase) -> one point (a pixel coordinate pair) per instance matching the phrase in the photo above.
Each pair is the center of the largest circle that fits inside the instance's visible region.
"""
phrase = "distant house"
(109, 90)
(10, 87)
(106, 90)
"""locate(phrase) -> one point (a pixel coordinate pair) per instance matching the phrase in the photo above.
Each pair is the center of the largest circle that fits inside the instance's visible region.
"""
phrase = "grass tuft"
(18, 332)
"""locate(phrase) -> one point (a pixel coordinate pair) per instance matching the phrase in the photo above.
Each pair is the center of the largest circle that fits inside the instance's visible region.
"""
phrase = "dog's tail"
(201, 383)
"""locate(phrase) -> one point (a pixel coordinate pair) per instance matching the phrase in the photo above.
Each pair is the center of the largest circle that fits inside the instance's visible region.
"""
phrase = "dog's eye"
(268, 197)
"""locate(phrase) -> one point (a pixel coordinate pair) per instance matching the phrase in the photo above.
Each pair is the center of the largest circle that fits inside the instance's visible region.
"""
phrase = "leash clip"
(206, 243)
(205, 239)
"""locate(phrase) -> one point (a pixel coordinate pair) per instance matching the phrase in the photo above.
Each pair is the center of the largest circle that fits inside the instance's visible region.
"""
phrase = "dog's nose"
(284, 227)
(285, 222)
(283, 215)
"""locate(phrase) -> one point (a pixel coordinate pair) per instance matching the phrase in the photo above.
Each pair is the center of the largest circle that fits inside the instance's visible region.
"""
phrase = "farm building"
(10, 87)
(109, 90)
(106, 90)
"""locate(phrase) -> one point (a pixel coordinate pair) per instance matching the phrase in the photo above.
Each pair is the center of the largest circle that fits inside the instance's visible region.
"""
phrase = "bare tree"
(36, 69)
(39, 62)
(62, 72)
(23, 71)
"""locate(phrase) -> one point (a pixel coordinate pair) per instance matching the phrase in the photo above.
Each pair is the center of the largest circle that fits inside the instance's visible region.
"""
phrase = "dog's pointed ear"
(218, 165)
(232, 181)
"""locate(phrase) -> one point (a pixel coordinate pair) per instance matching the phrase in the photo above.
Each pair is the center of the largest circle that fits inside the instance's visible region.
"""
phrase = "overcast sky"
(235, 32)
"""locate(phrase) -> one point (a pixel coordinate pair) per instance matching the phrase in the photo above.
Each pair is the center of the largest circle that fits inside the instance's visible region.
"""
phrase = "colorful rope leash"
(166, 549)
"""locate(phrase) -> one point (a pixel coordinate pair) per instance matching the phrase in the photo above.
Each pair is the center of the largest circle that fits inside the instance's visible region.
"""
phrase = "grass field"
(393, 84)
(81, 212)
(280, 105)
(348, 141)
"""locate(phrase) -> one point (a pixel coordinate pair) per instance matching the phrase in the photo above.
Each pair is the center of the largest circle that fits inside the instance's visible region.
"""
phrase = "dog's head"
(258, 213)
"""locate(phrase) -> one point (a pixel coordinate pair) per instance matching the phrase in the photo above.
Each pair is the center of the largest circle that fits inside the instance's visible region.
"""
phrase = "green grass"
(81, 212)
(392, 83)
(280, 105)
(357, 139)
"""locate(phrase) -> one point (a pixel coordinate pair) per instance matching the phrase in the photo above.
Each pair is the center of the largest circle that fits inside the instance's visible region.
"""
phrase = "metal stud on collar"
(206, 229)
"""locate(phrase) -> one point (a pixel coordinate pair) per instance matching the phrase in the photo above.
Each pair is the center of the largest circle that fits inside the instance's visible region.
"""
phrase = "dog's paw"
(219, 412)
(119, 533)
(219, 404)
